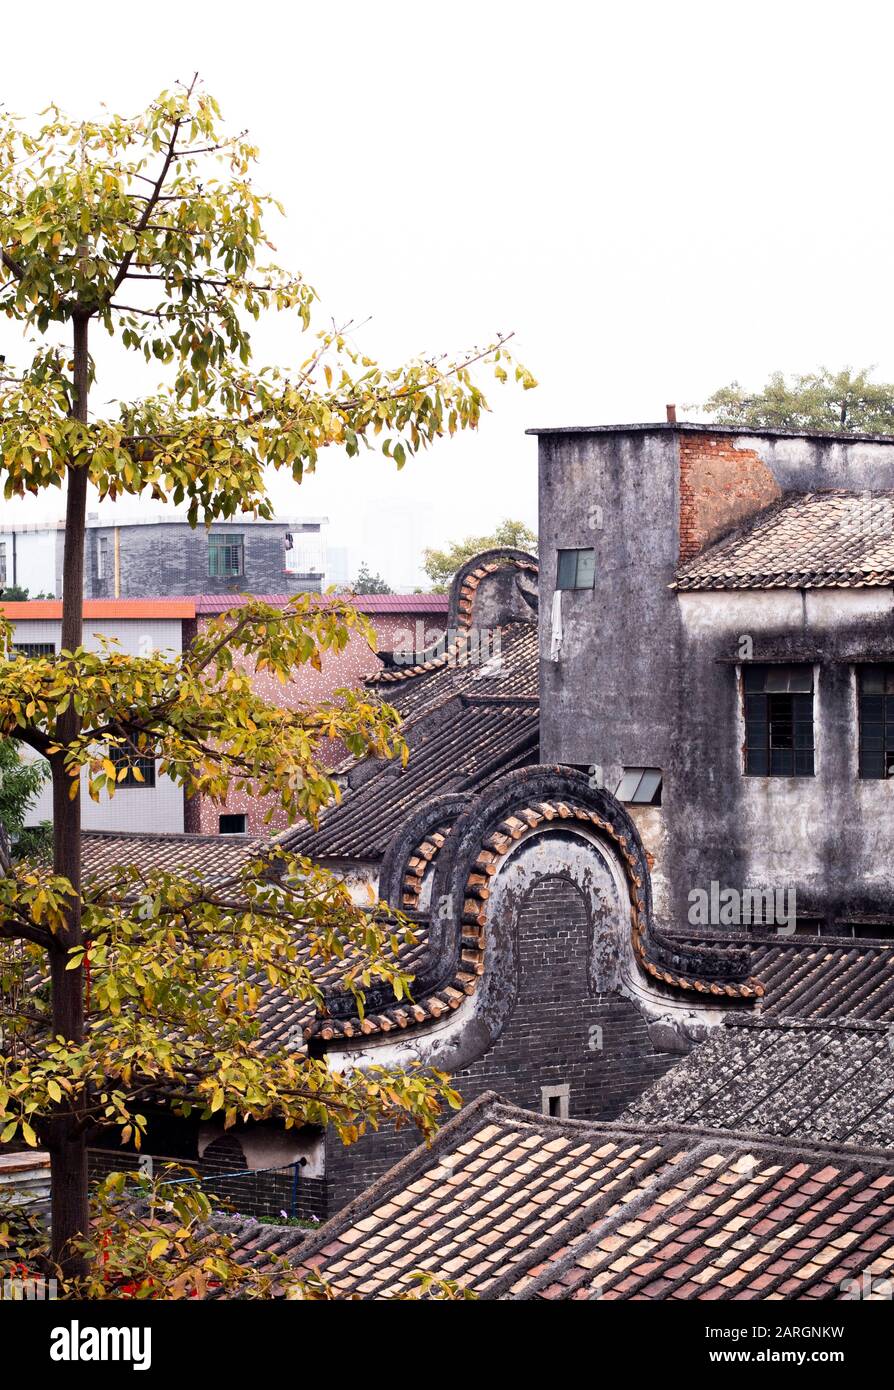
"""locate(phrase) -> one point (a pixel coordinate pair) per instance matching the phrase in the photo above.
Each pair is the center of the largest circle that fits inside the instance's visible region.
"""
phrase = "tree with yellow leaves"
(150, 229)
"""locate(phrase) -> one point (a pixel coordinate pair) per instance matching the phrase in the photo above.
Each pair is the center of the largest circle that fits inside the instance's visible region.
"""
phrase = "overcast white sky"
(656, 197)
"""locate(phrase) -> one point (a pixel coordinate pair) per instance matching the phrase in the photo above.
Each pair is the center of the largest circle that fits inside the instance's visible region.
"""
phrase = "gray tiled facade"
(170, 558)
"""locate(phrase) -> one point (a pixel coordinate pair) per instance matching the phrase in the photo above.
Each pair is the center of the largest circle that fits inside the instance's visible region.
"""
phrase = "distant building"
(142, 557)
(403, 624)
(338, 566)
(31, 557)
(140, 627)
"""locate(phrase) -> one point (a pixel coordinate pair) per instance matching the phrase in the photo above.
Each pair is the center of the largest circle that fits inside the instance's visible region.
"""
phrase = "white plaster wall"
(135, 636)
(153, 809)
(35, 560)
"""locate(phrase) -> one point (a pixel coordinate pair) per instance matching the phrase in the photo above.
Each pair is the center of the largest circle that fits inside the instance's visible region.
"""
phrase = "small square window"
(576, 569)
(231, 825)
(226, 555)
(555, 1101)
(640, 786)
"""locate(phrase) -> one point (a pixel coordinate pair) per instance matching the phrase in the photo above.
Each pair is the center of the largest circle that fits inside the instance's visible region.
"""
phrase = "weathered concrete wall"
(829, 836)
(605, 701)
(645, 678)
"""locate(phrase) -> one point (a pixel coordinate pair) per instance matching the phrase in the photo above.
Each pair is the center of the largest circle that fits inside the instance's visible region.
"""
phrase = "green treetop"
(821, 402)
(441, 565)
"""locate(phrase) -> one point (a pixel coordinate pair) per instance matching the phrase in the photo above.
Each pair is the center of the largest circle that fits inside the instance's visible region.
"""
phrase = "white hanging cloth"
(555, 649)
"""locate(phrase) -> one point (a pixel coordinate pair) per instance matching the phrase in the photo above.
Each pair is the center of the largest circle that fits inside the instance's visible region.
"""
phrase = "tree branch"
(205, 280)
(133, 309)
(151, 203)
(33, 737)
(25, 931)
(12, 266)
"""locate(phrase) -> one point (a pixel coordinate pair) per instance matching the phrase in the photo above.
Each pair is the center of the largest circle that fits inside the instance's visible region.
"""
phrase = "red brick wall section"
(721, 485)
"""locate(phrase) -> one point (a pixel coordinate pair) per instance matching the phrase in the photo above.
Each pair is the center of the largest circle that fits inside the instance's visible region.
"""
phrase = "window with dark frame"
(226, 556)
(231, 824)
(865, 931)
(34, 648)
(134, 765)
(2, 564)
(809, 926)
(576, 569)
(102, 557)
(875, 706)
(881, 929)
(778, 721)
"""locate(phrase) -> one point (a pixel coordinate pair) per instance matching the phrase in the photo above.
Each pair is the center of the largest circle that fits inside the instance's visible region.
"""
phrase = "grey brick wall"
(226, 1178)
(171, 558)
(559, 1034)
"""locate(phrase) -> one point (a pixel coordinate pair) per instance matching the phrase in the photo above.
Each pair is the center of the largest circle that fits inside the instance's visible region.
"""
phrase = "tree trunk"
(67, 1143)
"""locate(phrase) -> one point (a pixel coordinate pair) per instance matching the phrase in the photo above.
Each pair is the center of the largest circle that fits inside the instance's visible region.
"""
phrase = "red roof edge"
(39, 608)
(367, 603)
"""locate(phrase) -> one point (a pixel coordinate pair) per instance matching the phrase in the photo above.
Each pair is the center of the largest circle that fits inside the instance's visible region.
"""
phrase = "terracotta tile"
(656, 1289)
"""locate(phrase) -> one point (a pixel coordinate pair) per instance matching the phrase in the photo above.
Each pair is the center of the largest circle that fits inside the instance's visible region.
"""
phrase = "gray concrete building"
(143, 557)
(716, 649)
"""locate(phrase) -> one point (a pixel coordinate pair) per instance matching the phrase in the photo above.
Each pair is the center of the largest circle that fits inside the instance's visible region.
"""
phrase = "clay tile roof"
(215, 858)
(470, 743)
(282, 1017)
(834, 539)
(367, 603)
(514, 673)
(264, 1244)
(831, 1082)
(464, 725)
(515, 1205)
(133, 608)
(827, 979)
(462, 636)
